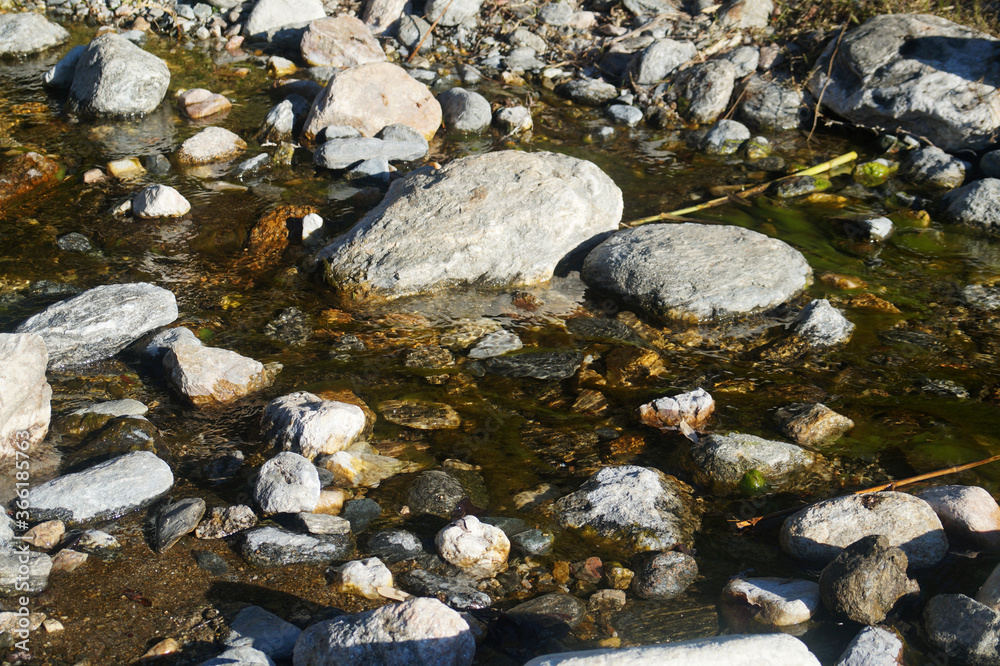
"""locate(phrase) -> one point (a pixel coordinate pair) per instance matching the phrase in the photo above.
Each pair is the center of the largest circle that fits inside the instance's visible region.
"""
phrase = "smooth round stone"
(362, 578)
(549, 614)
(287, 483)
(306, 424)
(496, 343)
(477, 548)
(725, 137)
(25, 33)
(624, 114)
(589, 92)
(212, 144)
(723, 459)
(966, 631)
(821, 531)
(967, 512)
(360, 513)
(464, 110)
(664, 575)
(160, 201)
(341, 41)
(771, 602)
(533, 542)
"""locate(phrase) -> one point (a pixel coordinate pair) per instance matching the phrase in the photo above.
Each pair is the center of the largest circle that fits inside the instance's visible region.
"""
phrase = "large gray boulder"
(417, 631)
(26, 33)
(697, 271)
(966, 631)
(734, 650)
(100, 322)
(271, 16)
(821, 531)
(117, 78)
(25, 395)
(976, 205)
(512, 217)
(102, 492)
(640, 507)
(771, 106)
(919, 73)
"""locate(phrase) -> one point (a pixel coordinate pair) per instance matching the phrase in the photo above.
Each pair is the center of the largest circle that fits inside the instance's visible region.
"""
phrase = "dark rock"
(290, 326)
(458, 591)
(392, 546)
(664, 575)
(176, 520)
(420, 414)
(865, 581)
(273, 547)
(74, 242)
(360, 513)
(550, 615)
(440, 493)
(963, 629)
(210, 562)
(538, 365)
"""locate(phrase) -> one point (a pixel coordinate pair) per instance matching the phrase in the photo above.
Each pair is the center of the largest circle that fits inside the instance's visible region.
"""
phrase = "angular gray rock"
(725, 137)
(100, 322)
(821, 531)
(915, 72)
(343, 153)
(963, 629)
(287, 483)
(660, 59)
(417, 631)
(159, 201)
(496, 343)
(451, 12)
(102, 492)
(25, 395)
(239, 656)
(257, 628)
(456, 590)
(276, 547)
(737, 649)
(176, 520)
(703, 90)
(306, 424)
(269, 16)
(513, 217)
(722, 460)
(23, 572)
(210, 376)
(976, 205)
(811, 424)
(664, 575)
(114, 77)
(768, 602)
(932, 167)
(771, 106)
(464, 110)
(693, 271)
(968, 513)
(640, 506)
(873, 646)
(341, 41)
(25, 33)
(550, 614)
(865, 581)
(822, 325)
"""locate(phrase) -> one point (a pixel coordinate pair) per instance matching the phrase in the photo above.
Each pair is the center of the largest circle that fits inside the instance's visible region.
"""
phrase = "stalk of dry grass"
(828, 14)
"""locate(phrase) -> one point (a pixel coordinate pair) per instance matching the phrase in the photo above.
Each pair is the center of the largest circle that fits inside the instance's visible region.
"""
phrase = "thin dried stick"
(427, 34)
(829, 72)
(892, 485)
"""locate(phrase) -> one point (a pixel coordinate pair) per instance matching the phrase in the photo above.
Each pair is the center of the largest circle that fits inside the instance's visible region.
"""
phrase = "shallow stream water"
(521, 433)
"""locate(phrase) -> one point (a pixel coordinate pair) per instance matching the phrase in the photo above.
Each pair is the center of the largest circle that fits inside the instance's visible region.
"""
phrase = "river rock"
(537, 365)
(722, 460)
(771, 106)
(26, 173)
(822, 325)
(768, 602)
(100, 322)
(493, 235)
(270, 16)
(865, 580)
(382, 16)
(932, 167)
(694, 408)
(226, 521)
(25, 395)
(464, 110)
(440, 493)
(201, 103)
(821, 531)
(988, 594)
(660, 59)
(394, 546)
(103, 492)
(159, 201)
(452, 12)
(811, 424)
(210, 376)
(359, 469)
(212, 144)
(457, 591)
(664, 576)
(513, 119)
(369, 97)
(167, 339)
(360, 513)
(413, 31)
(117, 78)
(707, 88)
(341, 41)
(968, 513)
(362, 577)
(640, 506)
(873, 646)
(276, 547)
(176, 520)
(287, 483)
(420, 414)
(14, 581)
(963, 629)
(697, 271)
(25, 33)
(496, 343)
(733, 650)
(306, 424)
(725, 137)
(44, 536)
(588, 92)
(92, 417)
(976, 205)
(244, 656)
(550, 615)
(417, 631)
(916, 72)
(321, 523)
(477, 548)
(343, 153)
(257, 628)
(60, 76)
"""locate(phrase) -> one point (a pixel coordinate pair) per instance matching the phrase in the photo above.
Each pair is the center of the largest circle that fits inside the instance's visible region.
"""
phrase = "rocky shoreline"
(421, 560)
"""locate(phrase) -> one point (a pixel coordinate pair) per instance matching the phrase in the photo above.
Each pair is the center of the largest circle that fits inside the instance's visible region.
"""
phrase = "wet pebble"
(440, 493)
(458, 591)
(811, 424)
(74, 242)
(420, 414)
(554, 614)
(963, 629)
(537, 365)
(289, 326)
(360, 513)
